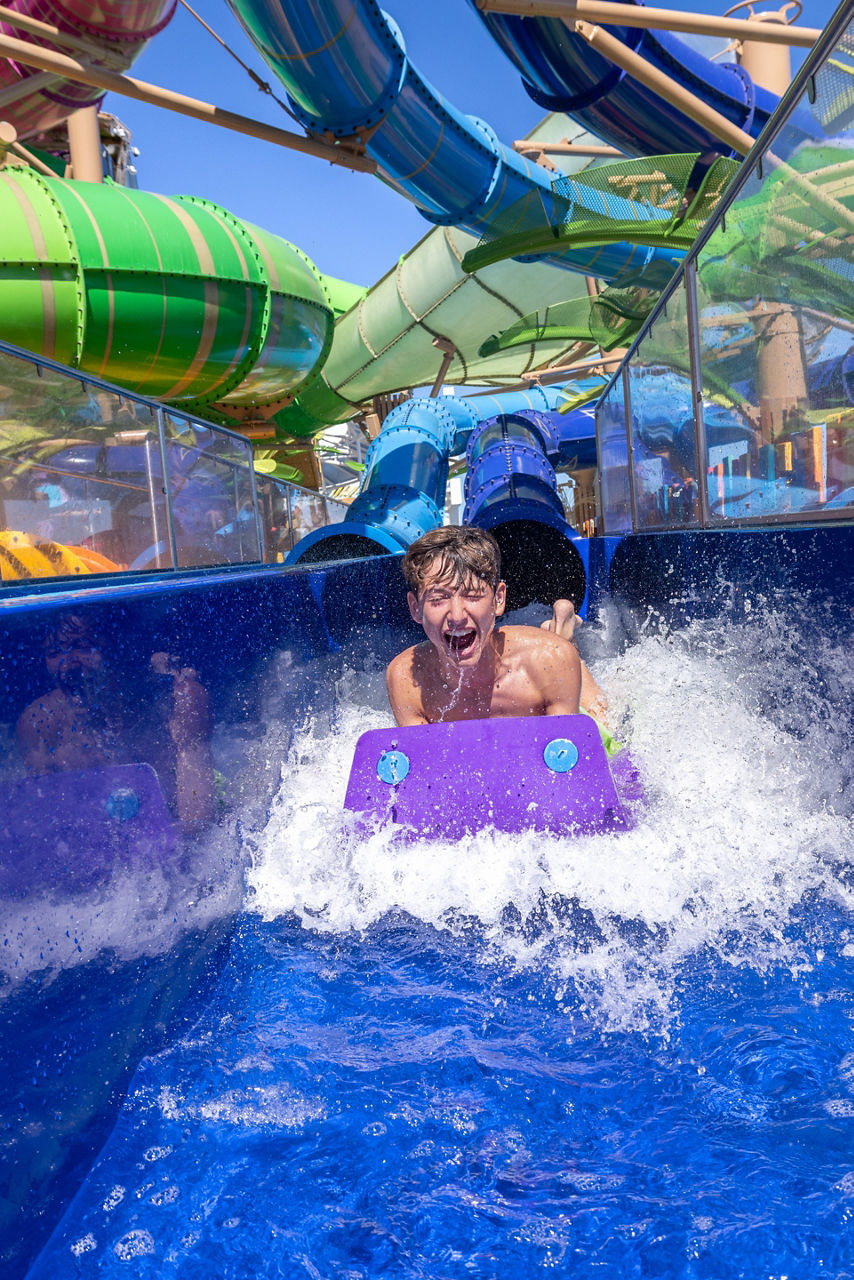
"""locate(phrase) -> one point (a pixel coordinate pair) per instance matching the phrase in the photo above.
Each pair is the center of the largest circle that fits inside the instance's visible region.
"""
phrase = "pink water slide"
(110, 34)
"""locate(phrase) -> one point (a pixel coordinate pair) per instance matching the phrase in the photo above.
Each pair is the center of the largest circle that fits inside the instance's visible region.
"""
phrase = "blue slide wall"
(268, 645)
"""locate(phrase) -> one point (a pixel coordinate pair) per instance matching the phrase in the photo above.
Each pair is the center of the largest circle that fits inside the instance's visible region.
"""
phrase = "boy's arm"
(36, 730)
(559, 668)
(403, 693)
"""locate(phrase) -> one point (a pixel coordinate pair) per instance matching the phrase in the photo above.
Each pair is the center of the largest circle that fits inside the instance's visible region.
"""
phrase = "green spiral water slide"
(174, 298)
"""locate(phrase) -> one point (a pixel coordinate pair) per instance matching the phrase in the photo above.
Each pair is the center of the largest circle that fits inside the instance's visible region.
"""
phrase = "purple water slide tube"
(538, 773)
(562, 72)
(511, 490)
(114, 33)
(344, 65)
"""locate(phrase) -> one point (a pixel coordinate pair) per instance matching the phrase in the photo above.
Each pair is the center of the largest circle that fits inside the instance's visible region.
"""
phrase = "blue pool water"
(625, 1056)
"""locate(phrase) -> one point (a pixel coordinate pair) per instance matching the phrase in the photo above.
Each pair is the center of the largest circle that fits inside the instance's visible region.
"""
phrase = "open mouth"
(460, 643)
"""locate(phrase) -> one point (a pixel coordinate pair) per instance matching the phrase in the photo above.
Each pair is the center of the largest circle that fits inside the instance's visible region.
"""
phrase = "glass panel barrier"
(613, 451)
(662, 418)
(335, 511)
(209, 484)
(775, 292)
(81, 485)
(772, 336)
(776, 303)
(274, 511)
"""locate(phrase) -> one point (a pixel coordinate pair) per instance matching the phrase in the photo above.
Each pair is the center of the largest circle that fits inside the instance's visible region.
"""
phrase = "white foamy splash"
(132, 912)
(748, 815)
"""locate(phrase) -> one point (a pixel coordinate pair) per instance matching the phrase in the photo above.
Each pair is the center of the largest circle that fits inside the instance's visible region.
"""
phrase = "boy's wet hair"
(461, 553)
(71, 632)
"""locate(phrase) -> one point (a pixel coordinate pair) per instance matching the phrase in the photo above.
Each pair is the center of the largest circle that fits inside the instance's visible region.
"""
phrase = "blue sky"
(350, 224)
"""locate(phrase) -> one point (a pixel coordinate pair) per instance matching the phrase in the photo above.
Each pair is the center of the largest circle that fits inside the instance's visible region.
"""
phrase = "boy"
(466, 670)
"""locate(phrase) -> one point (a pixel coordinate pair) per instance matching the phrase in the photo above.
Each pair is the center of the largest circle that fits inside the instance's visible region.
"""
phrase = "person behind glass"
(86, 721)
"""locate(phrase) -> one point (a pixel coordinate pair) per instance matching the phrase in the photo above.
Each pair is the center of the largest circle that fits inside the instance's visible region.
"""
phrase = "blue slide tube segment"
(406, 473)
(511, 490)
(403, 488)
(345, 68)
(563, 73)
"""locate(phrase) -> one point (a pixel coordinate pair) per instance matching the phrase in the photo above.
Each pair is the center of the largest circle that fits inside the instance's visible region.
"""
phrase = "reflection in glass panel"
(776, 301)
(336, 511)
(308, 512)
(212, 509)
(81, 486)
(275, 518)
(614, 460)
(662, 417)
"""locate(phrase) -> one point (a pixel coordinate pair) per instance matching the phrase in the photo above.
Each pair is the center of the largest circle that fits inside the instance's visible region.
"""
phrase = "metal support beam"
(47, 31)
(448, 352)
(563, 148)
(615, 51)
(21, 88)
(563, 373)
(100, 78)
(8, 136)
(84, 143)
(629, 15)
(33, 161)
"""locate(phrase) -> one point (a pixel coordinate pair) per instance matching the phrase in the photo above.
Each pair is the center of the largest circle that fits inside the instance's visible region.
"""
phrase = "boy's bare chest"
(513, 693)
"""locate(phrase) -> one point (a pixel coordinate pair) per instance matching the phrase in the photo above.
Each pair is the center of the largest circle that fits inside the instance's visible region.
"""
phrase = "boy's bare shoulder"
(410, 667)
(411, 659)
(407, 678)
(535, 642)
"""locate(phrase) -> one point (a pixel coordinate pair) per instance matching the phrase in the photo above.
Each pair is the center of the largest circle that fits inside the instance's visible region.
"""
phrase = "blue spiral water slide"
(562, 72)
(345, 68)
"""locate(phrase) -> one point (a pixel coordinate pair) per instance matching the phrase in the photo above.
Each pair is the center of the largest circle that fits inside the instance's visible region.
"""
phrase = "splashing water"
(746, 818)
(627, 1055)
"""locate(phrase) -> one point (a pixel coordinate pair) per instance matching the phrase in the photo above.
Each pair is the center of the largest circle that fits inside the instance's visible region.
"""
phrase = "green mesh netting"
(834, 87)
(791, 241)
(613, 319)
(661, 201)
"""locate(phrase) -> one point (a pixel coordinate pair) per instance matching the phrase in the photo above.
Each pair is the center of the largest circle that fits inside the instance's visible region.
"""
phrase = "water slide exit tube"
(511, 490)
(345, 68)
(406, 473)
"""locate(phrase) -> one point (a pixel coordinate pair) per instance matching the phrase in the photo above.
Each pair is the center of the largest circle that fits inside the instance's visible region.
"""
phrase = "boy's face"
(457, 617)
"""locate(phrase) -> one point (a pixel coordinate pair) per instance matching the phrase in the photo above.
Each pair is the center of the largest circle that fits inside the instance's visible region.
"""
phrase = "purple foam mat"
(67, 830)
(546, 773)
